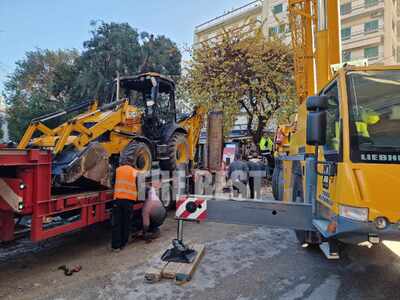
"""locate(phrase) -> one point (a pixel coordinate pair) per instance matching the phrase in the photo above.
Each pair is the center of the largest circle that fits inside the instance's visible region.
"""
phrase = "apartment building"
(251, 13)
(369, 28)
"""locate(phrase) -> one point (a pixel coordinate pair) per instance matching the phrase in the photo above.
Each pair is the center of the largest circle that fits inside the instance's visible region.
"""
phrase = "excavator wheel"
(138, 155)
(178, 152)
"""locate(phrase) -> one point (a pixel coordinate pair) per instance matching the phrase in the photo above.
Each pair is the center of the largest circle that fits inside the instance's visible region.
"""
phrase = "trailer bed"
(25, 193)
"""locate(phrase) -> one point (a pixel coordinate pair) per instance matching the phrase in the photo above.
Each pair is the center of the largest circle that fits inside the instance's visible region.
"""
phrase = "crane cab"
(353, 129)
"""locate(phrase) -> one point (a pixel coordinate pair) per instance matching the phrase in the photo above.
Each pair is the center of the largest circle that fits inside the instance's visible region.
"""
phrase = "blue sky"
(29, 24)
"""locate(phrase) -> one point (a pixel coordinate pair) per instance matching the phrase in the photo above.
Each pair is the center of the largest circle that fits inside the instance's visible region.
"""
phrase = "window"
(346, 56)
(346, 33)
(277, 9)
(345, 8)
(135, 97)
(283, 28)
(164, 108)
(371, 52)
(273, 30)
(333, 143)
(369, 3)
(371, 26)
(374, 113)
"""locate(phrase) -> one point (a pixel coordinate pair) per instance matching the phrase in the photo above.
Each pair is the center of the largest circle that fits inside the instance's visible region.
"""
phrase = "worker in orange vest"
(125, 193)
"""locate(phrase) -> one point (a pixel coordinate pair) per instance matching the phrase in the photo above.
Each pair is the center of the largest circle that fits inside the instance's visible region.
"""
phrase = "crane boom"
(315, 40)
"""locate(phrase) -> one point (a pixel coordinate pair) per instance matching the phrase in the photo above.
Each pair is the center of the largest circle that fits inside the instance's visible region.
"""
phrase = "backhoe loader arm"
(193, 126)
(104, 118)
(37, 123)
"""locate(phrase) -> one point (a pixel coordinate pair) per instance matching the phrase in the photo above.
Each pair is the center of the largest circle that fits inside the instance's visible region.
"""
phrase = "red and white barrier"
(191, 209)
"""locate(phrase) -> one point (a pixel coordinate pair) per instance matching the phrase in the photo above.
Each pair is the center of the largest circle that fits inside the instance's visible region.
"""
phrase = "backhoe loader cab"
(154, 96)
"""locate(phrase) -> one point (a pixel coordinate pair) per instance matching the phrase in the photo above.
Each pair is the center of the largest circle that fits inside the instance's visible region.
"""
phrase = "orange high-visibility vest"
(125, 183)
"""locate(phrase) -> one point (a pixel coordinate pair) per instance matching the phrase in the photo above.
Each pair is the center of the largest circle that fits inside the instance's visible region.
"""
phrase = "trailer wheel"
(178, 152)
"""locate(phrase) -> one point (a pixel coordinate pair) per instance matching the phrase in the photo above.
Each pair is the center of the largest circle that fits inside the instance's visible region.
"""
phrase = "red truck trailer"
(26, 194)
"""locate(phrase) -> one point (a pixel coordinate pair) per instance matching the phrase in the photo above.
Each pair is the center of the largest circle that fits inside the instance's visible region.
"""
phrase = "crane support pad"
(261, 213)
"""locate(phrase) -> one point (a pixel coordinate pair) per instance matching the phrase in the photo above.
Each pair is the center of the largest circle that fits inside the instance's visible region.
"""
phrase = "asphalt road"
(240, 263)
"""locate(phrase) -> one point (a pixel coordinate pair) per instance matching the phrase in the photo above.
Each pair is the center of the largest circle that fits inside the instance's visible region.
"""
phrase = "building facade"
(369, 28)
(253, 12)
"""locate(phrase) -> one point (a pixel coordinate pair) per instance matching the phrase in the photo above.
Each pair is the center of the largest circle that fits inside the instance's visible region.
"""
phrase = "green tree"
(242, 72)
(160, 54)
(41, 83)
(46, 80)
(117, 47)
(113, 47)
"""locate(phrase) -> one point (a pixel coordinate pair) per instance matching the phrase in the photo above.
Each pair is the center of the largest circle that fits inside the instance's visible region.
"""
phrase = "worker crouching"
(125, 194)
(153, 215)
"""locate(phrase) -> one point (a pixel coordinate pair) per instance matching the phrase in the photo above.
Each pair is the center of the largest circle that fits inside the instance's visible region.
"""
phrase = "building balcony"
(250, 9)
(360, 39)
(360, 9)
(377, 60)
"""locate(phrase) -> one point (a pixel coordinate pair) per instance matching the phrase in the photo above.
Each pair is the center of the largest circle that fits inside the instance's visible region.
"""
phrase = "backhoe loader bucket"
(87, 167)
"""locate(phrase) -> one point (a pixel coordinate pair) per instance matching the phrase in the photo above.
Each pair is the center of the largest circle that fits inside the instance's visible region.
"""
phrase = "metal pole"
(179, 232)
(322, 15)
(315, 181)
(117, 85)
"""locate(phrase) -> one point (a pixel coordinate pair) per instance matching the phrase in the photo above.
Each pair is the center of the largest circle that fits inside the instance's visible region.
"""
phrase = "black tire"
(138, 155)
(305, 237)
(178, 140)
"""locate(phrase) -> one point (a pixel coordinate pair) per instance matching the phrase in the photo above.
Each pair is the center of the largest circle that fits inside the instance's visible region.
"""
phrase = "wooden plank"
(170, 270)
(182, 272)
(186, 271)
(154, 272)
(153, 275)
(9, 196)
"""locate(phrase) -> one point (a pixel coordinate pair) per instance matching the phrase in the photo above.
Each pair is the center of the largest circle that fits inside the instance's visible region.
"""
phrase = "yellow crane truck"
(344, 149)
(338, 169)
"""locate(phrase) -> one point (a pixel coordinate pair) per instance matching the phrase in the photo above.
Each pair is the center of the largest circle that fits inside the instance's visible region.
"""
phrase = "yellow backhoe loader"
(139, 122)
